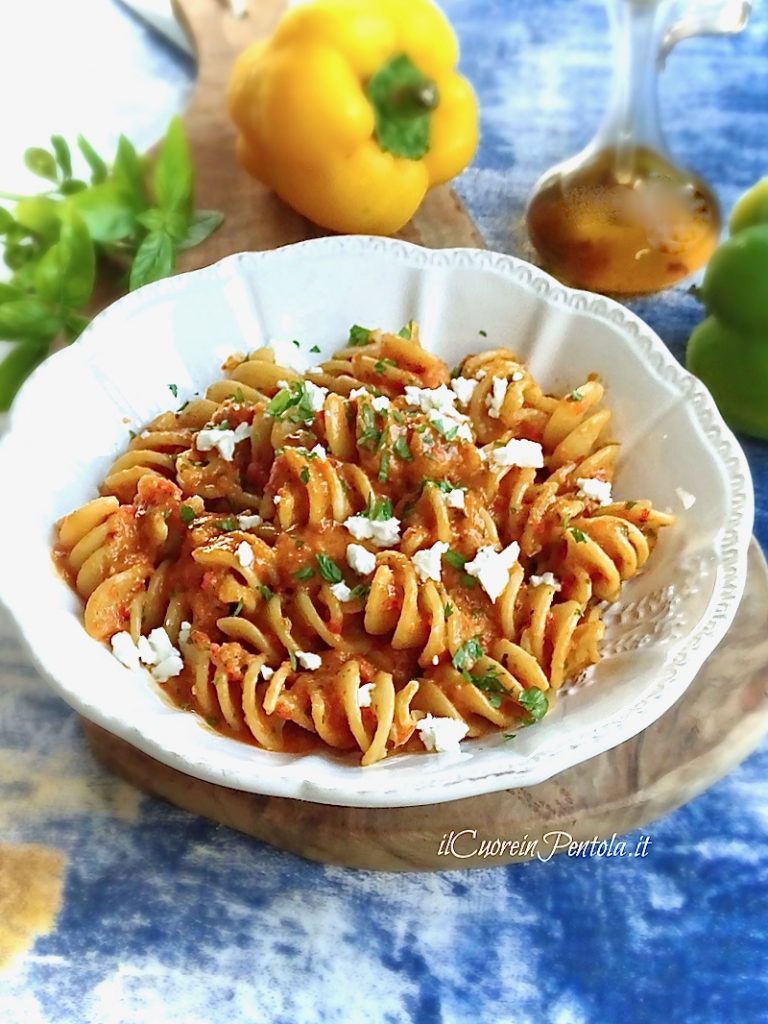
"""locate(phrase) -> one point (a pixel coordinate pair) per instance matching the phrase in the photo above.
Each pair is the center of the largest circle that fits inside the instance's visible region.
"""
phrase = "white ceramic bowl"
(70, 420)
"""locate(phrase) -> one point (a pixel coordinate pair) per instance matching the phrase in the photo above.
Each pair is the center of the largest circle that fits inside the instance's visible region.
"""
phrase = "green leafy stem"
(134, 216)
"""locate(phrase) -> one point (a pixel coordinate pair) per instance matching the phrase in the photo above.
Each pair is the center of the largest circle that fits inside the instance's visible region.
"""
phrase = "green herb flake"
(238, 396)
(315, 349)
(467, 581)
(575, 396)
(447, 432)
(282, 401)
(293, 660)
(265, 592)
(455, 560)
(466, 655)
(305, 573)
(296, 343)
(362, 590)
(132, 434)
(629, 505)
(384, 467)
(330, 572)
(401, 449)
(359, 335)
(174, 389)
(381, 365)
(237, 609)
(448, 609)
(535, 703)
(304, 475)
(398, 417)
(483, 334)
(407, 331)
(228, 524)
(579, 536)
(187, 514)
(378, 508)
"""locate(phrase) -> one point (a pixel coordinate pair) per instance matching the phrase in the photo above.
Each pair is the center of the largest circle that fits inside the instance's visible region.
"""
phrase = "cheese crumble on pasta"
(378, 555)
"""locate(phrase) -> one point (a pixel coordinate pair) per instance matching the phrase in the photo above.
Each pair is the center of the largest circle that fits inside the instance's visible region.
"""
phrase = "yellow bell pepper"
(353, 110)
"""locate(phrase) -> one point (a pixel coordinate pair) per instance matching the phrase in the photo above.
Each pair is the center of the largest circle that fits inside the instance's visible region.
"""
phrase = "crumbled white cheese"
(464, 388)
(319, 452)
(277, 499)
(492, 567)
(517, 375)
(435, 659)
(455, 498)
(125, 650)
(380, 403)
(341, 592)
(495, 398)
(359, 393)
(481, 374)
(315, 369)
(519, 452)
(266, 672)
(440, 406)
(428, 563)
(384, 533)
(447, 420)
(546, 579)
(311, 662)
(442, 735)
(184, 632)
(224, 440)
(315, 395)
(597, 490)
(157, 651)
(364, 695)
(361, 559)
(249, 522)
(687, 500)
(245, 555)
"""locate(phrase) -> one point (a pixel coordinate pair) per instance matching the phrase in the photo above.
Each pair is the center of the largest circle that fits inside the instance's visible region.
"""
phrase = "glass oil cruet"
(621, 216)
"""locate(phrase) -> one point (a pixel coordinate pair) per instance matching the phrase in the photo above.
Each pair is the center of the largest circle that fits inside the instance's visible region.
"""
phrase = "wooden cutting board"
(715, 725)
(255, 217)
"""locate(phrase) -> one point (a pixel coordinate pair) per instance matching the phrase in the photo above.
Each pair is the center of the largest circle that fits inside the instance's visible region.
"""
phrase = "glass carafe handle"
(725, 18)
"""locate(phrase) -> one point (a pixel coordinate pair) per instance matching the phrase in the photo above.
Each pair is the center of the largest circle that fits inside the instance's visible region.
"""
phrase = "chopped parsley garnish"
(447, 432)
(237, 609)
(378, 508)
(401, 449)
(482, 333)
(575, 396)
(454, 559)
(187, 514)
(466, 656)
(361, 590)
(448, 609)
(535, 703)
(295, 397)
(490, 684)
(359, 335)
(238, 396)
(296, 343)
(466, 580)
(579, 536)
(305, 573)
(398, 417)
(183, 406)
(509, 735)
(132, 434)
(369, 432)
(174, 389)
(293, 660)
(629, 505)
(384, 467)
(381, 364)
(328, 569)
(407, 331)
(315, 349)
(300, 543)
(228, 524)
(304, 475)
(265, 592)
(455, 372)
(443, 485)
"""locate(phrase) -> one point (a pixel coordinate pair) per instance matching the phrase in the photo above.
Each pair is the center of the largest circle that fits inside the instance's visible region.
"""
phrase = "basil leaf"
(8, 292)
(27, 319)
(15, 369)
(107, 212)
(97, 165)
(128, 174)
(359, 335)
(66, 274)
(305, 573)
(455, 560)
(63, 156)
(173, 175)
(41, 163)
(40, 215)
(466, 655)
(154, 260)
(201, 226)
(6, 220)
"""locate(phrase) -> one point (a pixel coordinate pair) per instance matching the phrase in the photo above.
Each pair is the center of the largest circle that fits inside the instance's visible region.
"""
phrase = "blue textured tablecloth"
(169, 919)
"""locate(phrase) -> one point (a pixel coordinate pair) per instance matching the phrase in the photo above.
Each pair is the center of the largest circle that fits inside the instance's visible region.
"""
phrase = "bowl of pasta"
(362, 523)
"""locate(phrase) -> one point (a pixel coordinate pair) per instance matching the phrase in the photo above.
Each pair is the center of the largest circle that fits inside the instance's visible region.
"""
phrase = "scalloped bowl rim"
(471, 779)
